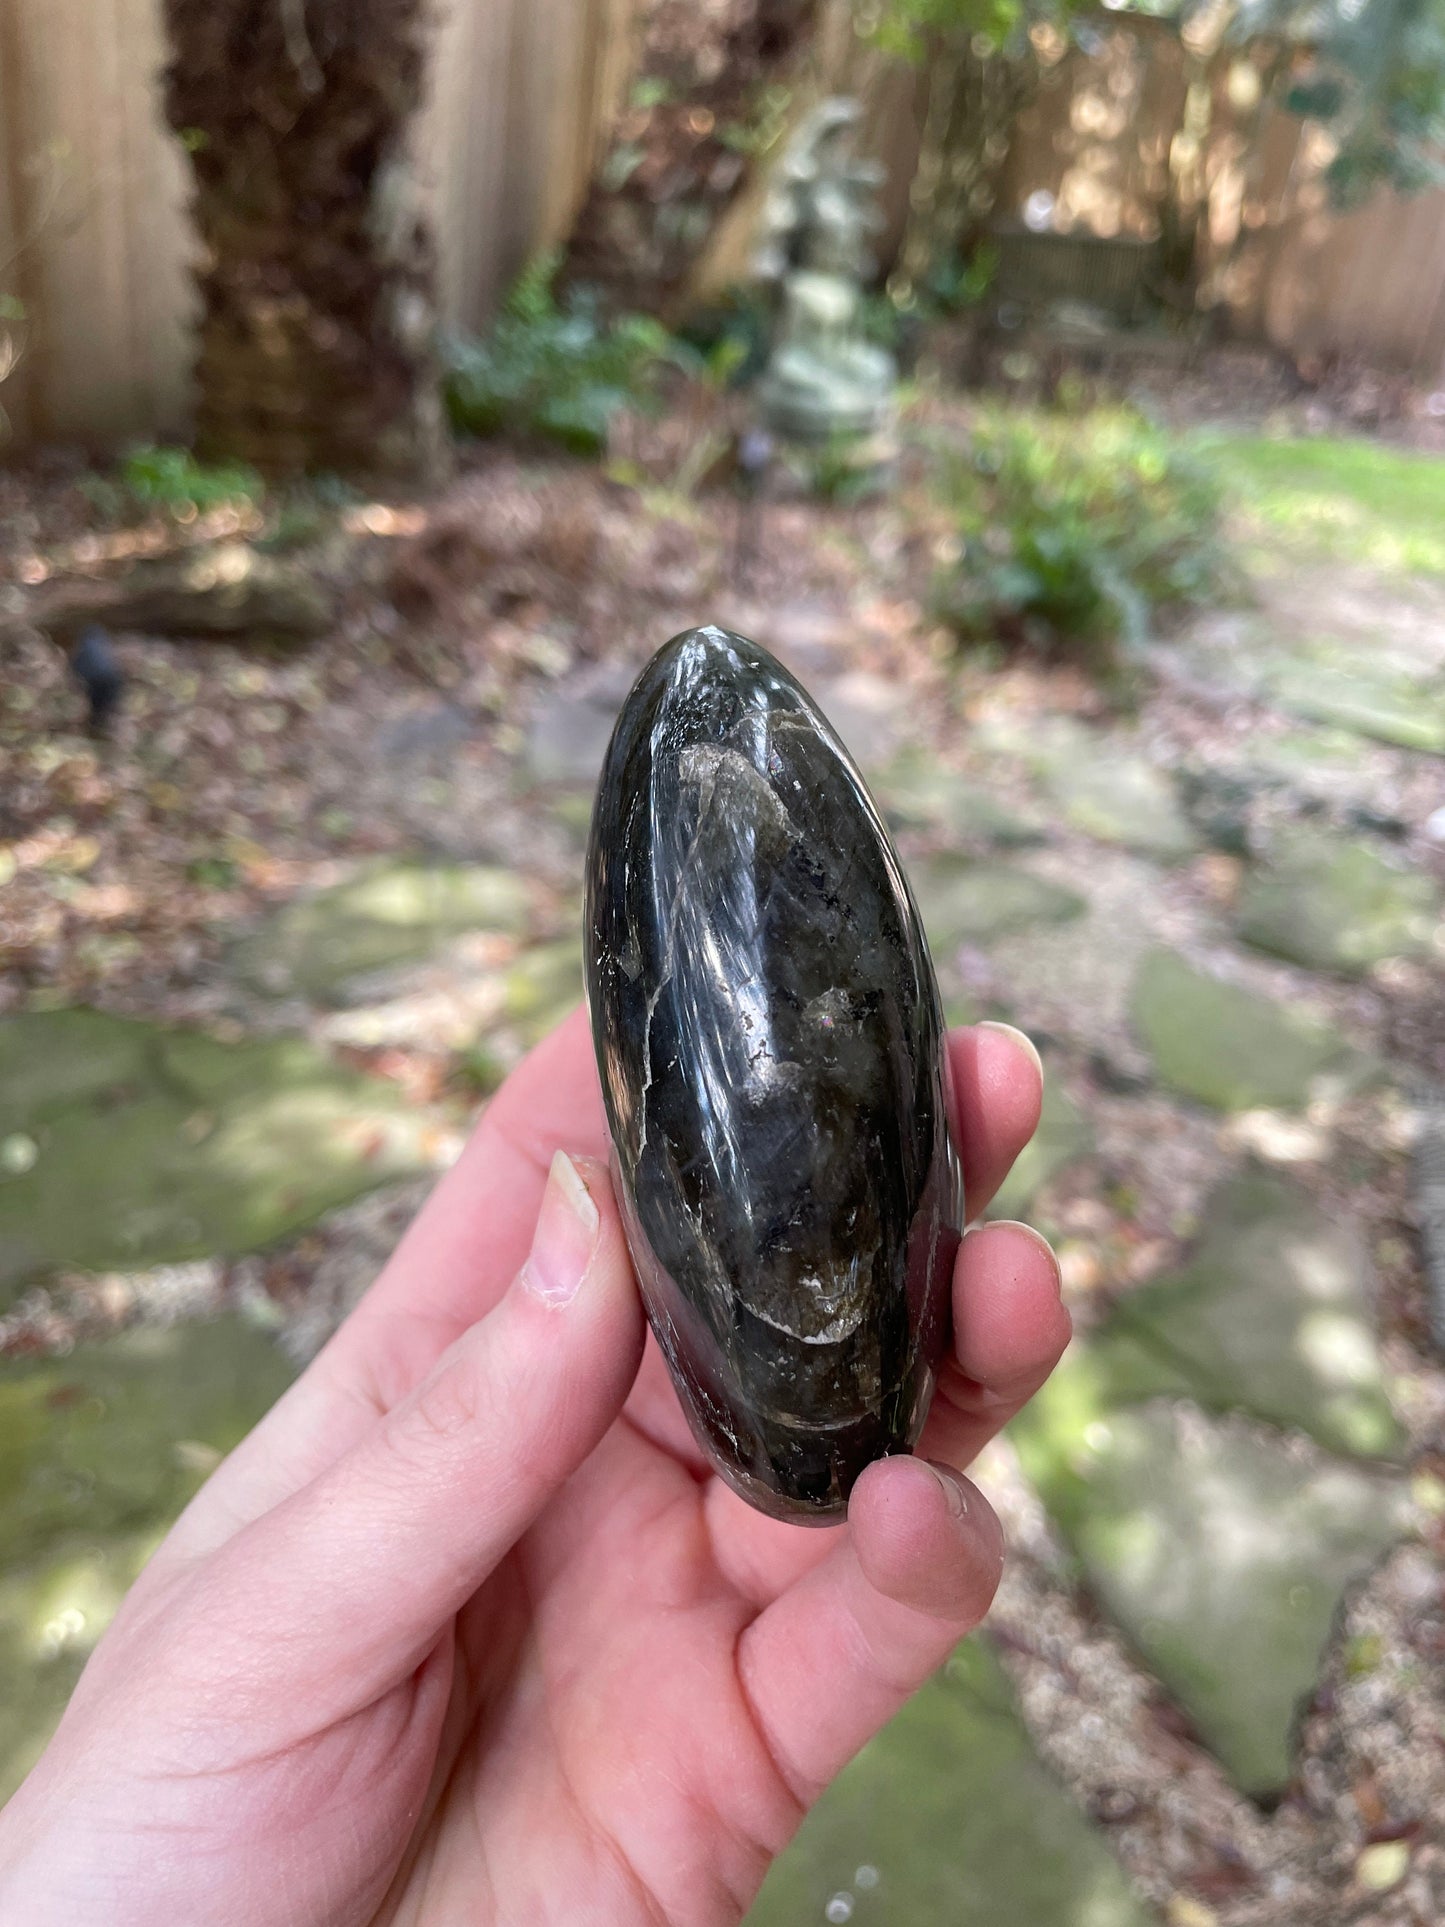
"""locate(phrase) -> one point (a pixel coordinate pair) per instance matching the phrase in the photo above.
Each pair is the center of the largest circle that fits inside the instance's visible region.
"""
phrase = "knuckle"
(447, 1408)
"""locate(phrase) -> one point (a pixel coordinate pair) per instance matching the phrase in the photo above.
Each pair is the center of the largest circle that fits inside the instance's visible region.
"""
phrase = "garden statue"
(823, 377)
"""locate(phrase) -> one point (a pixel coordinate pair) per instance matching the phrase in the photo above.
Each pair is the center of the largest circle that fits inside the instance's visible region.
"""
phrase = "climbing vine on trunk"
(315, 275)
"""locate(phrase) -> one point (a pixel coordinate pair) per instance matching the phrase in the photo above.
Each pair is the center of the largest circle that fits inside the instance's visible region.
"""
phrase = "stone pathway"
(1212, 937)
(101, 1449)
(948, 1817)
(1337, 906)
(127, 1144)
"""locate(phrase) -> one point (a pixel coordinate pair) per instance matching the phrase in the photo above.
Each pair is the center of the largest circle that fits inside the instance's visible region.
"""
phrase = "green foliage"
(305, 514)
(763, 124)
(734, 332)
(649, 92)
(1353, 499)
(213, 872)
(478, 1071)
(911, 29)
(957, 282)
(842, 470)
(557, 370)
(1076, 529)
(880, 319)
(1373, 73)
(980, 62)
(172, 479)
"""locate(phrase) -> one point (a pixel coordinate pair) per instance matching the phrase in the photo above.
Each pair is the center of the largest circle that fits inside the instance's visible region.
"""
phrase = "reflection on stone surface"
(770, 1041)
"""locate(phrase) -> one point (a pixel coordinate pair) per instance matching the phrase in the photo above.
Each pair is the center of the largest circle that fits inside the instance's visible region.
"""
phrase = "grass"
(1360, 501)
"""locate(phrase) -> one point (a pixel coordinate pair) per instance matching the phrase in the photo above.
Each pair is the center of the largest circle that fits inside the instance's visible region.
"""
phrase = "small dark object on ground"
(96, 667)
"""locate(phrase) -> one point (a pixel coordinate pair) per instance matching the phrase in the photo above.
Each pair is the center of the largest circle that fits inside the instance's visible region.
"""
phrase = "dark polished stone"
(770, 1040)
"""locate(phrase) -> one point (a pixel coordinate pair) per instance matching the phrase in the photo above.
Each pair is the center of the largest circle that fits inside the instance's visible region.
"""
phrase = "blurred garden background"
(380, 384)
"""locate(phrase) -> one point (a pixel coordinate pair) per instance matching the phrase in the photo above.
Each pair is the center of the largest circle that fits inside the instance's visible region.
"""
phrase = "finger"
(758, 1556)
(453, 1264)
(1009, 1331)
(354, 1576)
(836, 1655)
(462, 1253)
(654, 1409)
(998, 1087)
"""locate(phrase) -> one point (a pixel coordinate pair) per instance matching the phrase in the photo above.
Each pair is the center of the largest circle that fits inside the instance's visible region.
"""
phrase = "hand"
(467, 1632)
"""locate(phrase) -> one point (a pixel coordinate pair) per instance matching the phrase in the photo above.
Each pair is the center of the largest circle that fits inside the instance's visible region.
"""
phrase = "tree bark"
(707, 102)
(316, 273)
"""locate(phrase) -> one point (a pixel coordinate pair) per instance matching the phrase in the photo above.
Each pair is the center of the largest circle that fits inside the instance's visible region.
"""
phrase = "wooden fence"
(95, 238)
(1097, 140)
(93, 230)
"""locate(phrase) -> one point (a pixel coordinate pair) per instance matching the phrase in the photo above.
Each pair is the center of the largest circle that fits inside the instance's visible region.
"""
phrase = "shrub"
(555, 370)
(732, 334)
(172, 479)
(955, 283)
(1076, 531)
(842, 470)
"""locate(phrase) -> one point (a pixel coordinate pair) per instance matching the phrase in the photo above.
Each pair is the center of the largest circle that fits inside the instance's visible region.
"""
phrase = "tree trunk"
(318, 318)
(709, 99)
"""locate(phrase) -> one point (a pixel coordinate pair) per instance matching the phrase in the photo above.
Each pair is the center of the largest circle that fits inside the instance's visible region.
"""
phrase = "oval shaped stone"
(771, 1047)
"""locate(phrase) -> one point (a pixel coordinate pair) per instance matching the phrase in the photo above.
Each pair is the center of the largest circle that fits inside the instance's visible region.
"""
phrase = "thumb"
(358, 1573)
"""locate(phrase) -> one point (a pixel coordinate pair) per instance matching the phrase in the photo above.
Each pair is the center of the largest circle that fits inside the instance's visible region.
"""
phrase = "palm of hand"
(620, 1716)
(608, 1765)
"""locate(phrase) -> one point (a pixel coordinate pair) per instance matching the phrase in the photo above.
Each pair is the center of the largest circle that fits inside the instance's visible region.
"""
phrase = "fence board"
(1309, 280)
(95, 236)
(97, 194)
(1372, 280)
(521, 93)
(15, 263)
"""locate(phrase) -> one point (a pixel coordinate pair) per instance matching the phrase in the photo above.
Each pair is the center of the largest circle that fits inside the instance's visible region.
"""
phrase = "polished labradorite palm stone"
(771, 1048)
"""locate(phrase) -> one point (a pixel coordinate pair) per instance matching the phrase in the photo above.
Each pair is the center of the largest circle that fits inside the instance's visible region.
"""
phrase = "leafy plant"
(1372, 72)
(1075, 530)
(955, 282)
(732, 332)
(553, 369)
(172, 479)
(980, 62)
(840, 470)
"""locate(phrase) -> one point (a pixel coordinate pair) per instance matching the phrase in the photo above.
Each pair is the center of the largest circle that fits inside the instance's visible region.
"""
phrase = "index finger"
(998, 1089)
(473, 1234)
(466, 1245)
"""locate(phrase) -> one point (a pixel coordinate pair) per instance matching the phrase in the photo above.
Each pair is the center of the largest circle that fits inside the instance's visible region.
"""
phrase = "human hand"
(467, 1631)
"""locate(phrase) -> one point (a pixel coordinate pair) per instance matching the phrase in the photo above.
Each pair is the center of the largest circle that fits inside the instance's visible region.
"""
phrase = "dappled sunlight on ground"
(1355, 500)
(269, 949)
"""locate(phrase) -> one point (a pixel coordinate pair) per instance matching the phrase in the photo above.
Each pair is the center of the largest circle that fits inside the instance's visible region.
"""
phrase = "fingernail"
(954, 1488)
(1016, 1224)
(566, 1236)
(1025, 1044)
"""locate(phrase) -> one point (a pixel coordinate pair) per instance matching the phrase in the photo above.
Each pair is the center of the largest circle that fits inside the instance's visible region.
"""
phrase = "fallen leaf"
(1383, 1866)
(1184, 1912)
